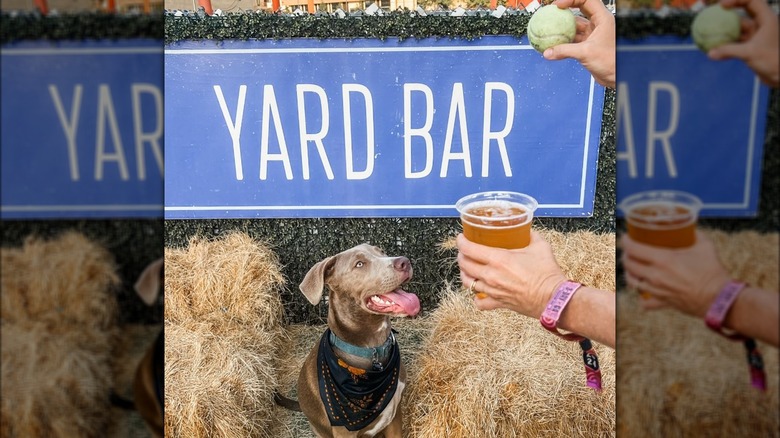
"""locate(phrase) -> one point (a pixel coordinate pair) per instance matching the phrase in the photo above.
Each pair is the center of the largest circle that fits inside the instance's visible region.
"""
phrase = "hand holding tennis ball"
(550, 26)
(714, 26)
(593, 36)
(759, 42)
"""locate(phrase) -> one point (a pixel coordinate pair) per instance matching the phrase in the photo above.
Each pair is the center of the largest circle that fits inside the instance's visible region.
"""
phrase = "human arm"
(758, 46)
(524, 280)
(689, 279)
(594, 42)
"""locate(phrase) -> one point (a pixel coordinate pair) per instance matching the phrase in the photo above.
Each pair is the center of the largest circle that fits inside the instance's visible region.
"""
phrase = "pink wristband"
(549, 320)
(714, 320)
(552, 313)
(717, 312)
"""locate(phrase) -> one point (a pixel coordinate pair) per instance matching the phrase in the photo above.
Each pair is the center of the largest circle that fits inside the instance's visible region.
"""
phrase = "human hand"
(758, 45)
(594, 43)
(522, 280)
(688, 279)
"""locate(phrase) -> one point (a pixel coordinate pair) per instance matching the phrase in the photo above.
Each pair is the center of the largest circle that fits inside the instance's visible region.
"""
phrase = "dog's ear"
(314, 281)
(148, 284)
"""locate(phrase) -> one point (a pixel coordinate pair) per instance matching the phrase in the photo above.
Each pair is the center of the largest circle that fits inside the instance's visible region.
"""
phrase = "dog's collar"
(373, 353)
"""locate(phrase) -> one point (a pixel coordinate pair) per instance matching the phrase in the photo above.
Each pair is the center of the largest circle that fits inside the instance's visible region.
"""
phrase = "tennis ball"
(550, 26)
(714, 26)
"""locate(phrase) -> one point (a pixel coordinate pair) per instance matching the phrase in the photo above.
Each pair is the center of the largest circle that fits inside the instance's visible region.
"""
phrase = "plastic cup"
(663, 218)
(497, 219)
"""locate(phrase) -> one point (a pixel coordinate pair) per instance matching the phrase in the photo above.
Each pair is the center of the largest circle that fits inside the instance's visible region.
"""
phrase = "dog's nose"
(401, 264)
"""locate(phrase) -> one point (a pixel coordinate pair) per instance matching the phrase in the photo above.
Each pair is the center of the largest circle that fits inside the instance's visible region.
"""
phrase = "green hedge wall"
(400, 24)
(75, 27)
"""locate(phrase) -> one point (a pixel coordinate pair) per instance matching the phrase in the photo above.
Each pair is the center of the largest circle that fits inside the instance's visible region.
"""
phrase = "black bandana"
(354, 397)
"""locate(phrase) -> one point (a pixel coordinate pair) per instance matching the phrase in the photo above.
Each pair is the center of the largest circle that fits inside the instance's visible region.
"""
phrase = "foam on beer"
(496, 213)
(661, 214)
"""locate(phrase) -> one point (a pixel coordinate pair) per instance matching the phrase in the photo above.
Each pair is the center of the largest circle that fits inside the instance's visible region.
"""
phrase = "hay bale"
(233, 276)
(65, 280)
(677, 378)
(223, 337)
(55, 382)
(58, 327)
(219, 383)
(749, 255)
(500, 374)
(584, 256)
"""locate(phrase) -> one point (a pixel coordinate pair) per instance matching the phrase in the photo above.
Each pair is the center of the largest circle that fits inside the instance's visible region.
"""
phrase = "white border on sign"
(751, 132)
(346, 50)
(588, 124)
(83, 51)
(70, 208)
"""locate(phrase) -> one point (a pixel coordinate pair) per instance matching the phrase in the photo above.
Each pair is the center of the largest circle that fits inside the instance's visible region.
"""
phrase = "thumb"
(728, 51)
(563, 51)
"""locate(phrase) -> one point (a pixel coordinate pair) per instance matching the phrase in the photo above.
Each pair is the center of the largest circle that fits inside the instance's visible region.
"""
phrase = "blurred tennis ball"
(714, 26)
(550, 26)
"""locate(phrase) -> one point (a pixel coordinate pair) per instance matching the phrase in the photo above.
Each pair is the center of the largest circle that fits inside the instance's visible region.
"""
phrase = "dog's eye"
(359, 264)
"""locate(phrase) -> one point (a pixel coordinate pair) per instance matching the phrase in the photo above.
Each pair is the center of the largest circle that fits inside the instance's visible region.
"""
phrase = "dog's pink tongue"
(408, 302)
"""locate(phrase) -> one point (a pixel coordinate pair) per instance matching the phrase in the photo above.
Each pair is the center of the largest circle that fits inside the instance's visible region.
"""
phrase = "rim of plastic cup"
(652, 197)
(526, 201)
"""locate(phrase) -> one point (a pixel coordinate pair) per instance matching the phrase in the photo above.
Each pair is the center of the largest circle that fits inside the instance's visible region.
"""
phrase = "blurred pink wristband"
(714, 320)
(721, 306)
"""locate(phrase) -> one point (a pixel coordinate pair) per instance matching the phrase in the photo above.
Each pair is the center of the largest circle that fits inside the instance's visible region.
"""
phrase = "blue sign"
(370, 128)
(82, 129)
(691, 124)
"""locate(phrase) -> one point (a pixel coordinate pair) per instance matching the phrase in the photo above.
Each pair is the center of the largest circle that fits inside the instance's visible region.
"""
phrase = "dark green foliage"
(400, 24)
(646, 22)
(33, 26)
